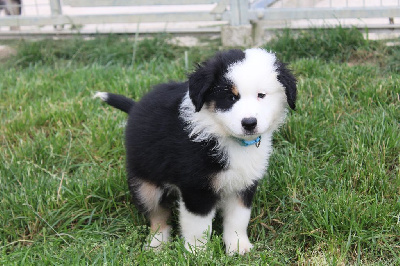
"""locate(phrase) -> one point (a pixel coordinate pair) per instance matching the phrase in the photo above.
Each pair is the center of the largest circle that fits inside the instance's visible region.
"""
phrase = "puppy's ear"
(286, 78)
(209, 72)
(200, 82)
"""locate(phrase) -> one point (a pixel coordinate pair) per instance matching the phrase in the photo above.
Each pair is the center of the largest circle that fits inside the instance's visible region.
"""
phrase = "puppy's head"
(246, 92)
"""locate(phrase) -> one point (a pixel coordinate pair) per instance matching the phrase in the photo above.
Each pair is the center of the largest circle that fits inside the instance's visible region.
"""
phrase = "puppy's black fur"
(161, 152)
(209, 77)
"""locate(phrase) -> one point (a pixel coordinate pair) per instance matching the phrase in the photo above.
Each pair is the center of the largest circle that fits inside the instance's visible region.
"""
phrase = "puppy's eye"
(234, 98)
(261, 95)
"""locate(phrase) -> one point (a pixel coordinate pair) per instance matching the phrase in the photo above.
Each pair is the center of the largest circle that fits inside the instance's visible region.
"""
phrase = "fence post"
(56, 10)
(239, 32)
(239, 12)
(55, 6)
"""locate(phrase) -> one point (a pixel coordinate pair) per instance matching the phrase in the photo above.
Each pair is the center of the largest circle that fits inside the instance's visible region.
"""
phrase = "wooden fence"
(62, 17)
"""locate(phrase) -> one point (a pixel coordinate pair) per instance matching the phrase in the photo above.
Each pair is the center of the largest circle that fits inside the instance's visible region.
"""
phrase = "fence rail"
(91, 3)
(323, 13)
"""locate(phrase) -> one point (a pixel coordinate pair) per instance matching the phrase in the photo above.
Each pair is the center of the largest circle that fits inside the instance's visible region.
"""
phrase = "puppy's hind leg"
(148, 197)
(159, 229)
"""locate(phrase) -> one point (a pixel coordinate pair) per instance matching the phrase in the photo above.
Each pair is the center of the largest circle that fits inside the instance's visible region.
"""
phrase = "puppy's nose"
(249, 123)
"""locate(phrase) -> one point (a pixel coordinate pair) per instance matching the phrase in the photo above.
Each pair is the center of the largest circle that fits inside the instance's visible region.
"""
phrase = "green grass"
(331, 194)
(327, 44)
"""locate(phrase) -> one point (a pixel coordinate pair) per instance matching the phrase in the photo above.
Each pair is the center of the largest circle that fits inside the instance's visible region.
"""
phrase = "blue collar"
(246, 143)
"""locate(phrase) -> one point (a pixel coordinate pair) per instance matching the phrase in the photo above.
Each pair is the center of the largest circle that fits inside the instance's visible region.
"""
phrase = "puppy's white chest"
(246, 165)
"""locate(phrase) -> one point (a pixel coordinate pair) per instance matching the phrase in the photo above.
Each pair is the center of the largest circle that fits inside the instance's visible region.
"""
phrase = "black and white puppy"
(208, 139)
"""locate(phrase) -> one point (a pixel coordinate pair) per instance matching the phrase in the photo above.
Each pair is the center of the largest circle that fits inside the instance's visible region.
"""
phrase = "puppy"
(207, 140)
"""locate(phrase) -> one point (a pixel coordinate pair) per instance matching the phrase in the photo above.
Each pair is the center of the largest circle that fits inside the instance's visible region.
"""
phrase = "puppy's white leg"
(195, 228)
(160, 231)
(236, 219)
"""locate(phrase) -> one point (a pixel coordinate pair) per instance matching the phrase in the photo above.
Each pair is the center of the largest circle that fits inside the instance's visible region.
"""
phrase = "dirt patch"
(365, 57)
(6, 52)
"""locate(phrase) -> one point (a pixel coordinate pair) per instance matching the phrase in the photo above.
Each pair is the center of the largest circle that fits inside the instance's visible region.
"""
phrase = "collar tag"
(246, 143)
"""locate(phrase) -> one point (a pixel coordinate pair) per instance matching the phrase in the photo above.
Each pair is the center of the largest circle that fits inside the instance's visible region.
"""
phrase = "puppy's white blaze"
(195, 229)
(102, 95)
(236, 219)
(255, 73)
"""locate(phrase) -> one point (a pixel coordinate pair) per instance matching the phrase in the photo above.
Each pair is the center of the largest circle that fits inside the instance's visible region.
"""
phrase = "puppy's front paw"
(238, 245)
(196, 246)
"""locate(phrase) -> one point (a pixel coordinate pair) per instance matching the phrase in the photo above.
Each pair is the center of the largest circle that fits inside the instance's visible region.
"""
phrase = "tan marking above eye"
(235, 90)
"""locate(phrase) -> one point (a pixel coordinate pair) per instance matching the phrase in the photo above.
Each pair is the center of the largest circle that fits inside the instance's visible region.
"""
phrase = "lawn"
(331, 194)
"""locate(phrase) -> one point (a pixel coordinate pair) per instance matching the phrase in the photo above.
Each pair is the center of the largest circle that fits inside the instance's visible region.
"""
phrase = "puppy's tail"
(118, 101)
